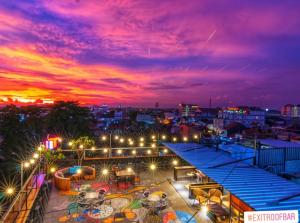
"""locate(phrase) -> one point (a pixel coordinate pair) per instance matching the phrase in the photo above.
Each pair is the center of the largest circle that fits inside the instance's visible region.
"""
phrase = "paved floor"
(157, 181)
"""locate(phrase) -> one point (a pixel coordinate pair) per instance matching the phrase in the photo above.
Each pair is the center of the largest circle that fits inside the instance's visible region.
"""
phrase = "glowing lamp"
(152, 167)
(52, 169)
(35, 155)
(104, 171)
(10, 191)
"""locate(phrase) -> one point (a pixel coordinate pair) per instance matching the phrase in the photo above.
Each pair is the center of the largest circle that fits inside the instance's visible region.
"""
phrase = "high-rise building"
(188, 110)
(292, 111)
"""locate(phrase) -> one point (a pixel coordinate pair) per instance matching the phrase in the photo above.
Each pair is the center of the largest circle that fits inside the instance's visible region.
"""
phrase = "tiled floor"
(125, 200)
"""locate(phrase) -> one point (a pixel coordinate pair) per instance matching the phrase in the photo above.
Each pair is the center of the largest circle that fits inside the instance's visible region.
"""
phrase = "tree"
(69, 120)
(79, 145)
(12, 131)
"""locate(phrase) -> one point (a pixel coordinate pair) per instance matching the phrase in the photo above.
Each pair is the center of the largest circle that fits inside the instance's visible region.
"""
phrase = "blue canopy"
(258, 188)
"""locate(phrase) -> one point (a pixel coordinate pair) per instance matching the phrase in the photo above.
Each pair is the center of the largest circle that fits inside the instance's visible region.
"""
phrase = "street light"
(129, 169)
(153, 137)
(93, 148)
(142, 139)
(105, 150)
(153, 145)
(163, 137)
(133, 152)
(141, 144)
(31, 161)
(195, 136)
(116, 137)
(121, 140)
(149, 151)
(185, 139)
(103, 138)
(81, 146)
(174, 139)
(70, 143)
(119, 151)
(165, 150)
(131, 143)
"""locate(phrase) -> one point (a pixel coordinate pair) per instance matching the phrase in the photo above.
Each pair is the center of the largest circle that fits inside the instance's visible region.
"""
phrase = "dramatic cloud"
(139, 52)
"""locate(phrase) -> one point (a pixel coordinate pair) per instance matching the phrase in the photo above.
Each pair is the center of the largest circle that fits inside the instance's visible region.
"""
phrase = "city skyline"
(140, 53)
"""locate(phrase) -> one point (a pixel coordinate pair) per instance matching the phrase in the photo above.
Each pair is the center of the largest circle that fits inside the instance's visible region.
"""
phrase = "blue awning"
(258, 188)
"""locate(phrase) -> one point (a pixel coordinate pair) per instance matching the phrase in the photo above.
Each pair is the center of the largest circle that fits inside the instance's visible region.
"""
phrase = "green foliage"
(69, 119)
(79, 145)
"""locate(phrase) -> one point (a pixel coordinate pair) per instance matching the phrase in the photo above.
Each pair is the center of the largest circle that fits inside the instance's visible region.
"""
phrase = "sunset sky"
(141, 52)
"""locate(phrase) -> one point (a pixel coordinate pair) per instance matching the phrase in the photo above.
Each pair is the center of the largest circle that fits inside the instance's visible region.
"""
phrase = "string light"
(35, 155)
(116, 137)
(133, 152)
(152, 167)
(131, 143)
(60, 139)
(119, 151)
(121, 140)
(142, 139)
(39, 149)
(32, 161)
(79, 171)
(141, 144)
(129, 169)
(149, 151)
(10, 191)
(103, 138)
(185, 139)
(70, 143)
(153, 137)
(52, 169)
(165, 151)
(93, 148)
(195, 137)
(104, 171)
(163, 137)
(175, 162)
(105, 150)
(81, 146)
(174, 139)
(26, 164)
(153, 145)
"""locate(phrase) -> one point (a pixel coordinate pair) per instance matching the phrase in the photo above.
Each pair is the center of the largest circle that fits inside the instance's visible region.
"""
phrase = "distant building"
(145, 118)
(188, 110)
(291, 111)
(247, 116)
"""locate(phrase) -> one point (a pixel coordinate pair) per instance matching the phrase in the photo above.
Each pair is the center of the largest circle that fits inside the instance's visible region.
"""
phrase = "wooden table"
(218, 210)
(181, 168)
(125, 173)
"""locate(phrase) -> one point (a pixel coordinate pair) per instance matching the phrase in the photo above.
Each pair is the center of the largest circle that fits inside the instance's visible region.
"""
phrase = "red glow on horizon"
(25, 101)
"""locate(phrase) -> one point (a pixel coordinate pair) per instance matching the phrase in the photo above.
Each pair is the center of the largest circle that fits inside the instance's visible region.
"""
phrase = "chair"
(215, 195)
(199, 195)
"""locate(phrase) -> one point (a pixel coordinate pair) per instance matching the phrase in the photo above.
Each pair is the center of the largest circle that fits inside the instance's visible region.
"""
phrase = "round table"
(102, 211)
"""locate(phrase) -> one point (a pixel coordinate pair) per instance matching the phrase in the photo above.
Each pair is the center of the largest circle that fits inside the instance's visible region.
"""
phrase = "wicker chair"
(199, 195)
(215, 195)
